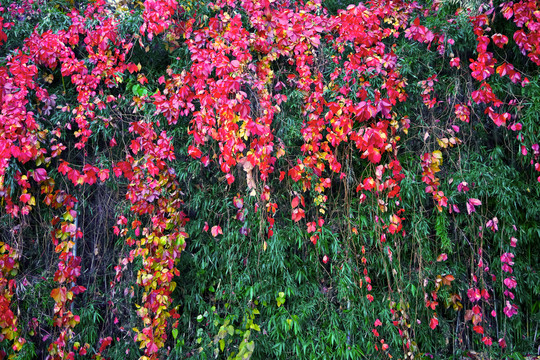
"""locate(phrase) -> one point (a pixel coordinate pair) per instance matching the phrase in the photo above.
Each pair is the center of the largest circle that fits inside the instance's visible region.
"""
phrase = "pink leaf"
(474, 294)
(442, 257)
(513, 242)
(510, 309)
(40, 175)
(475, 202)
(216, 230)
(510, 282)
(471, 204)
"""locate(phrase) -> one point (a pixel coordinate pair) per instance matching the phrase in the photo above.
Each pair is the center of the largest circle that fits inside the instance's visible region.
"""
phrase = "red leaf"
(499, 40)
(433, 323)
(142, 79)
(205, 160)
(298, 214)
(478, 329)
(25, 197)
(78, 289)
(194, 152)
(132, 68)
(104, 343)
(295, 202)
(63, 168)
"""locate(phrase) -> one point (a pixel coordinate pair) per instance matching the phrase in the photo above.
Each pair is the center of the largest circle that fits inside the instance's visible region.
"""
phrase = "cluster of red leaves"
(3, 25)
(22, 140)
(157, 16)
(484, 67)
(479, 299)
(479, 295)
(224, 81)
(427, 88)
(223, 67)
(527, 18)
(507, 260)
(153, 191)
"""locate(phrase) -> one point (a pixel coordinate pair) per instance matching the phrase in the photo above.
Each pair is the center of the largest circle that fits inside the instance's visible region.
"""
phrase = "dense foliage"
(269, 179)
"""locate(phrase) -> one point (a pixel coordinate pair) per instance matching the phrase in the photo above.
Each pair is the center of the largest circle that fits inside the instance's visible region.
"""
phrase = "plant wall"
(269, 179)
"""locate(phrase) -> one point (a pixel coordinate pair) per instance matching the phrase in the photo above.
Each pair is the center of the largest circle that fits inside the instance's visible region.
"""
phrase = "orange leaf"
(447, 279)
(59, 294)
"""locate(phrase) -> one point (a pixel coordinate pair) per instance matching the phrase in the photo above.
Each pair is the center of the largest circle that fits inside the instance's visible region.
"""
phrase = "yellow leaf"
(222, 344)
